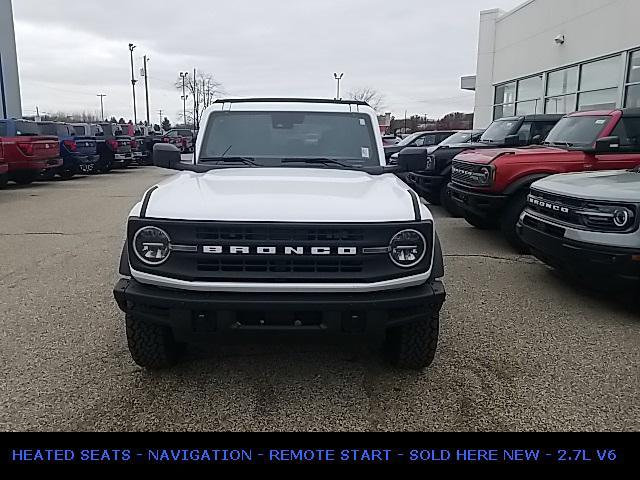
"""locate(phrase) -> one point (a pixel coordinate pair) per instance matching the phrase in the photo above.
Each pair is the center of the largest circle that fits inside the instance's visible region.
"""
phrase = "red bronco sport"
(4, 169)
(491, 186)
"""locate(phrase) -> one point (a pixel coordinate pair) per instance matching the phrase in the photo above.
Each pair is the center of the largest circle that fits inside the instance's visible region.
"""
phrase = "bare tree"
(369, 95)
(204, 89)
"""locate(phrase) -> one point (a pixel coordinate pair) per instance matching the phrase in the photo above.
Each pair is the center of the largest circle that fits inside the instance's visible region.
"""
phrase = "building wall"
(8, 58)
(521, 42)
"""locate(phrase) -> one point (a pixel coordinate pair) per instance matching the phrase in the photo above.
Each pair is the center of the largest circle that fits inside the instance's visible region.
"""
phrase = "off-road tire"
(67, 174)
(413, 346)
(479, 222)
(25, 178)
(152, 346)
(447, 202)
(509, 221)
(4, 179)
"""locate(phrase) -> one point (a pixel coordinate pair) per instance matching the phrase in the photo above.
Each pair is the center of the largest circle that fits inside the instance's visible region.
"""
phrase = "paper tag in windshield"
(363, 122)
(600, 122)
(365, 152)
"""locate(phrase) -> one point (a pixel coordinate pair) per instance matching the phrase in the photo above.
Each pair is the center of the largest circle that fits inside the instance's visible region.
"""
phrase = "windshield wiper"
(559, 144)
(245, 160)
(317, 161)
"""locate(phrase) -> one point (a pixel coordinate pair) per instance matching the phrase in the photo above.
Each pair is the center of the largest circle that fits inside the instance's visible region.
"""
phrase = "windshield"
(460, 137)
(410, 139)
(80, 130)
(499, 130)
(577, 131)
(273, 138)
(25, 129)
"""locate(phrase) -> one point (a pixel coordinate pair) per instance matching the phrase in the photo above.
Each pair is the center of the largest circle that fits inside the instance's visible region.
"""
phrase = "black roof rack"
(292, 100)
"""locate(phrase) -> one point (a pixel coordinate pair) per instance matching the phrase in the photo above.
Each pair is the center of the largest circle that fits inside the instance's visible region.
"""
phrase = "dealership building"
(557, 56)
(10, 103)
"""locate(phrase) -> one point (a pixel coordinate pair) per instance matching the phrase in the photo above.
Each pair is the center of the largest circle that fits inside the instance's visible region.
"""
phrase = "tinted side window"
(525, 132)
(628, 130)
(3, 129)
(542, 129)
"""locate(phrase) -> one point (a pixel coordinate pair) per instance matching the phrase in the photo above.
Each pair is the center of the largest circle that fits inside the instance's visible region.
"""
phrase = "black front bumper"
(597, 261)
(484, 205)
(428, 186)
(194, 316)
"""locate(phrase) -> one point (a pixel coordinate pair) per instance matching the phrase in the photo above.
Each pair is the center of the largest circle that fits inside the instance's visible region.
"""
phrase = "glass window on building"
(598, 100)
(506, 93)
(530, 88)
(564, 104)
(501, 111)
(601, 74)
(632, 99)
(562, 82)
(634, 68)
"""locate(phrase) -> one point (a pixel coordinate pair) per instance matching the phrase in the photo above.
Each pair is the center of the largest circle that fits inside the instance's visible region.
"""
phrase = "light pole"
(3, 96)
(338, 79)
(133, 84)
(101, 95)
(183, 76)
(146, 88)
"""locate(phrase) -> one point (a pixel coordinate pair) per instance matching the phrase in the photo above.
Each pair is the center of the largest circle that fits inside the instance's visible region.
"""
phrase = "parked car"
(432, 184)
(27, 152)
(388, 140)
(4, 169)
(78, 151)
(274, 234)
(419, 139)
(586, 224)
(114, 147)
(188, 138)
(491, 186)
(459, 138)
(86, 138)
(143, 150)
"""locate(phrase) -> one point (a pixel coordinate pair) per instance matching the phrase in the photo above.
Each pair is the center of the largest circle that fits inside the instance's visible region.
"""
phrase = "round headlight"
(408, 248)
(152, 246)
(621, 217)
(486, 174)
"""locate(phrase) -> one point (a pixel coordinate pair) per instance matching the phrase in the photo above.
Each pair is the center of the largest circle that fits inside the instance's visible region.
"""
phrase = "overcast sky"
(412, 51)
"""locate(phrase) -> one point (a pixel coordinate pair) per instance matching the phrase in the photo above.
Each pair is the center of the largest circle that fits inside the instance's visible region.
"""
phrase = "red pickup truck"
(491, 186)
(27, 153)
(4, 169)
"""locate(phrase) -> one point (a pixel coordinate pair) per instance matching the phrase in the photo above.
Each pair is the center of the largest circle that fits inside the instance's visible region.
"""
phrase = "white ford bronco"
(586, 224)
(287, 221)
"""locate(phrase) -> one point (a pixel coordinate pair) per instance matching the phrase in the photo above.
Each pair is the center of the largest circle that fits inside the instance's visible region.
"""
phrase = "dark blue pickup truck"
(79, 152)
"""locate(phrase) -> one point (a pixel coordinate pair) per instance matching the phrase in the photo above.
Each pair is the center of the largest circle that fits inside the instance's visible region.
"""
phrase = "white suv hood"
(610, 185)
(284, 195)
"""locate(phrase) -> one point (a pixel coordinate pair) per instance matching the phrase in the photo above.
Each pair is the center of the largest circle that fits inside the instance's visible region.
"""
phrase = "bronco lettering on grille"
(289, 251)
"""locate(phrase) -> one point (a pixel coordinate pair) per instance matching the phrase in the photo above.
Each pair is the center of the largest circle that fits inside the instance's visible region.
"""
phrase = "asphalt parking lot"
(521, 349)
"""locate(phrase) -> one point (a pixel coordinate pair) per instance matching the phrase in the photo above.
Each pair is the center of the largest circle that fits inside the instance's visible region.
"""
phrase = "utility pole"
(195, 102)
(405, 121)
(160, 113)
(146, 88)
(183, 76)
(132, 47)
(338, 79)
(101, 95)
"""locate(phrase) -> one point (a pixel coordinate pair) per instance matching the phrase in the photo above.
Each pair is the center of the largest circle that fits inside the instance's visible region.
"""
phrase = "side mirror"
(607, 145)
(512, 141)
(412, 160)
(166, 156)
(537, 140)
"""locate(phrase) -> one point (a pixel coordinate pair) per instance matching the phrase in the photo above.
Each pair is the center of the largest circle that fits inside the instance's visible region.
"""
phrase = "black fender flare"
(437, 270)
(525, 182)
(125, 269)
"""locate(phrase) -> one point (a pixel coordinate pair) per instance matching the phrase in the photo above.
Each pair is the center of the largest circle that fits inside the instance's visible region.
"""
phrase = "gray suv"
(586, 223)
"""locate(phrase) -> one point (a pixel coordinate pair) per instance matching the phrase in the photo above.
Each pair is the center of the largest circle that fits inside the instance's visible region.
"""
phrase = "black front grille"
(468, 174)
(578, 213)
(346, 257)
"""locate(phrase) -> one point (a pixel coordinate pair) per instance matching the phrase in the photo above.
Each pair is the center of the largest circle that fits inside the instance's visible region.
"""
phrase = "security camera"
(559, 39)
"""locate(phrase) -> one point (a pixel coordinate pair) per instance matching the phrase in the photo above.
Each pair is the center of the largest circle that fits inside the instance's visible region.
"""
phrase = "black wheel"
(479, 222)
(108, 166)
(3, 181)
(413, 346)
(67, 174)
(509, 221)
(152, 346)
(447, 202)
(25, 178)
